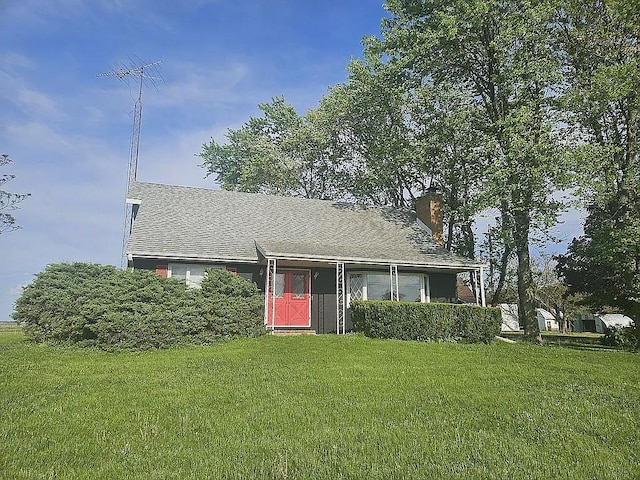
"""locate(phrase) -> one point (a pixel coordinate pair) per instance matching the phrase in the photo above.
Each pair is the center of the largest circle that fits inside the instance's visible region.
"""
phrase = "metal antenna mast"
(126, 74)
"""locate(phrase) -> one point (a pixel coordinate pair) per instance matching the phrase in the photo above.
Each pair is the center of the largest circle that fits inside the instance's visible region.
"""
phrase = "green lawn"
(319, 407)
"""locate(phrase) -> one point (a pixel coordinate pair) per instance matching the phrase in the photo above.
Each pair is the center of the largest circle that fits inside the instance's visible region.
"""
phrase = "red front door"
(291, 294)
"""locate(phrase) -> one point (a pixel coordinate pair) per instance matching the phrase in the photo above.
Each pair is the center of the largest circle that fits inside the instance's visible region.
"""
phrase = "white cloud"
(172, 159)
(36, 103)
(196, 84)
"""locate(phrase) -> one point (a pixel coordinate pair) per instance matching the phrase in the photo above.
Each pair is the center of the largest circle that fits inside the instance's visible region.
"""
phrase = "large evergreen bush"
(425, 321)
(95, 305)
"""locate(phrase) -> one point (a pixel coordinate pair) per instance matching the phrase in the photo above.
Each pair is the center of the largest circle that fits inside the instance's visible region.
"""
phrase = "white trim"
(482, 292)
(425, 294)
(187, 266)
(341, 298)
(178, 259)
(133, 201)
(377, 262)
(393, 283)
(427, 289)
(266, 293)
(329, 260)
(424, 226)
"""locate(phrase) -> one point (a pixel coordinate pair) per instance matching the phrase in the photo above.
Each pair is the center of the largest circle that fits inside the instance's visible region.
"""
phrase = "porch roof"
(175, 222)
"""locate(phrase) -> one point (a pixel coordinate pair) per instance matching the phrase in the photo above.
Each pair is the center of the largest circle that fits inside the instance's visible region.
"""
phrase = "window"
(377, 286)
(278, 286)
(410, 288)
(191, 273)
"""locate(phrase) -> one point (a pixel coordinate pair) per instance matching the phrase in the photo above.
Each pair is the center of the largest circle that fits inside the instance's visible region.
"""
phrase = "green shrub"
(627, 338)
(95, 305)
(232, 305)
(425, 321)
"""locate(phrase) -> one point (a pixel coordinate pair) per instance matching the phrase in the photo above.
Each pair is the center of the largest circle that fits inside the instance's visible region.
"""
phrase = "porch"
(313, 296)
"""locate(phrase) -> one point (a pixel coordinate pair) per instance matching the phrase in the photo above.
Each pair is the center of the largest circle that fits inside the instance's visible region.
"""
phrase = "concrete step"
(292, 331)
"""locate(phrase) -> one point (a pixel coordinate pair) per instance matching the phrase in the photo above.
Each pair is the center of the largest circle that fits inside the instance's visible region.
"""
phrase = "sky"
(68, 130)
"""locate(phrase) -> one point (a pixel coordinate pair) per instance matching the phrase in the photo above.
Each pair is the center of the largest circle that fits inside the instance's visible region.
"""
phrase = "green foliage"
(603, 264)
(504, 56)
(426, 321)
(600, 41)
(279, 153)
(94, 305)
(627, 338)
(231, 305)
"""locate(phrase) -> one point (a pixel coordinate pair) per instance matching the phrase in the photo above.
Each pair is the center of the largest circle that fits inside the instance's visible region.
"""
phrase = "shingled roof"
(197, 224)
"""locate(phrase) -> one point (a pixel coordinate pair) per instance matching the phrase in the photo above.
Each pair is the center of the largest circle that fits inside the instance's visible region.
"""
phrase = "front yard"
(319, 407)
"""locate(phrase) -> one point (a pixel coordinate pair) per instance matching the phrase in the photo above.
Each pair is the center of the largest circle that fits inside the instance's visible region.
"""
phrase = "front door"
(291, 294)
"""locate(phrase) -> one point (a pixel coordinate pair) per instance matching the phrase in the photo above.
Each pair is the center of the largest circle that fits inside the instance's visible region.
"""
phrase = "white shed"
(599, 323)
(510, 321)
(546, 320)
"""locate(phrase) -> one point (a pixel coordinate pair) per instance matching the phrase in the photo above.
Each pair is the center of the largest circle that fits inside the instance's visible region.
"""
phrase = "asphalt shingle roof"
(207, 225)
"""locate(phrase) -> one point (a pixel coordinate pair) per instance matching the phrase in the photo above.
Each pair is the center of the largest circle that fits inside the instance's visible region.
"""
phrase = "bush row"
(96, 305)
(426, 321)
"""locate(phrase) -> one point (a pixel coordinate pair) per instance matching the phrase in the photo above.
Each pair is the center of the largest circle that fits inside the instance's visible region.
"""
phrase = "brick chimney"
(429, 211)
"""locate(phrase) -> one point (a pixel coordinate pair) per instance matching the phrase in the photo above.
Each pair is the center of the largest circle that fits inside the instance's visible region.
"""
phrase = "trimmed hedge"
(426, 321)
(101, 306)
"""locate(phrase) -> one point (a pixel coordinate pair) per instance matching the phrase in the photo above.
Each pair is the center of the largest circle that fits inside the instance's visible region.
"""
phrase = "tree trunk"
(502, 275)
(526, 308)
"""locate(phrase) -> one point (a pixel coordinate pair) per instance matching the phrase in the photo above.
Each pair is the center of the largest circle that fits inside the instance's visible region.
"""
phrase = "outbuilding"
(599, 323)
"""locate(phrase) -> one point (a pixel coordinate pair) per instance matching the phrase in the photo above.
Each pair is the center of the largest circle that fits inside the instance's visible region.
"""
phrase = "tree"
(504, 52)
(370, 131)
(604, 263)
(8, 201)
(600, 41)
(396, 140)
(279, 153)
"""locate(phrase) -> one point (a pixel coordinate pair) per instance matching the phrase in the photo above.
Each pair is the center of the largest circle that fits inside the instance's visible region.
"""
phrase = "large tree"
(604, 263)
(600, 43)
(398, 140)
(8, 201)
(503, 50)
(280, 153)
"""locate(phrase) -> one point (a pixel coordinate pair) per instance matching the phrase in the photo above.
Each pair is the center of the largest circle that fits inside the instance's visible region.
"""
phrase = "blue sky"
(68, 131)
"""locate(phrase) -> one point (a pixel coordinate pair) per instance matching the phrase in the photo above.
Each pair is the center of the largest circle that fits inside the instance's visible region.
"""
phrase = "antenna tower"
(125, 74)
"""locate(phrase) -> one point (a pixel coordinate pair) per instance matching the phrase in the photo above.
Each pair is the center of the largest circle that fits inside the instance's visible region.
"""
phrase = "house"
(599, 323)
(510, 322)
(547, 321)
(311, 257)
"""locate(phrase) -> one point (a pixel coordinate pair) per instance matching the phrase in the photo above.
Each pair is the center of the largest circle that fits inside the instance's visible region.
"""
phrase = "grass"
(319, 407)
(579, 340)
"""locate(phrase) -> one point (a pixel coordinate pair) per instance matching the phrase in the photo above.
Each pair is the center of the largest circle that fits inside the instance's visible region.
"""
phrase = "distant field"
(319, 407)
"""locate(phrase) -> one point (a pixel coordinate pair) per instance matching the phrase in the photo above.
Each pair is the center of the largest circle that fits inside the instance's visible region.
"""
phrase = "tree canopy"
(603, 100)
(502, 105)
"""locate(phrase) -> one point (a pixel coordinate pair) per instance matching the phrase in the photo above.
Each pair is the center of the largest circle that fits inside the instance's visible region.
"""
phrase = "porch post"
(267, 287)
(482, 294)
(268, 293)
(340, 298)
(476, 286)
(393, 278)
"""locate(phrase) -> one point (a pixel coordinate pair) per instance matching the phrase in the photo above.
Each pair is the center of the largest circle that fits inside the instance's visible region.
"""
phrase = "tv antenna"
(141, 74)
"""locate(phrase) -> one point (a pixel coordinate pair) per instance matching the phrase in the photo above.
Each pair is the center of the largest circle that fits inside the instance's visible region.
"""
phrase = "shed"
(600, 322)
